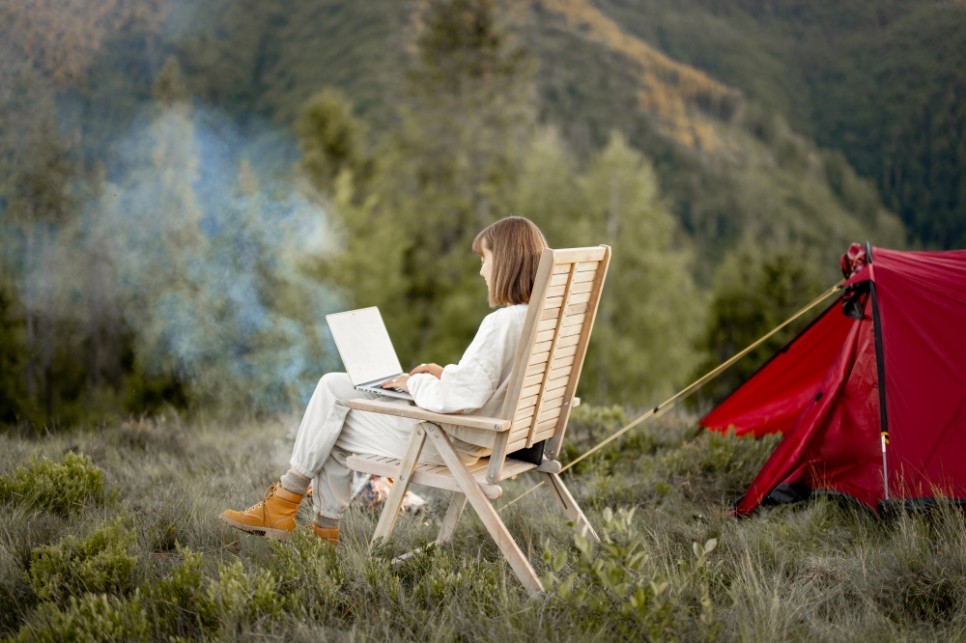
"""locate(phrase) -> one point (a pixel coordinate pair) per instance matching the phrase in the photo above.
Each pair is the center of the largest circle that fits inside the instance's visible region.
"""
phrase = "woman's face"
(486, 270)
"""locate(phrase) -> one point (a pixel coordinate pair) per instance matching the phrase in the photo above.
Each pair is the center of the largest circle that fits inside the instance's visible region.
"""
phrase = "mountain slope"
(883, 81)
(729, 165)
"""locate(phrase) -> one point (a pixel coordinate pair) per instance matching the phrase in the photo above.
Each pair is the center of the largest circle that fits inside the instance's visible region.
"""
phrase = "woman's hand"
(399, 382)
(433, 369)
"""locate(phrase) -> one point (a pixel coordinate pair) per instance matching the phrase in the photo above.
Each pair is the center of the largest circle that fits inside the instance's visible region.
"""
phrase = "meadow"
(112, 533)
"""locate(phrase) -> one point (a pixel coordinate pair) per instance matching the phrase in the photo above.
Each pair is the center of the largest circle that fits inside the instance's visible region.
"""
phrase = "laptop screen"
(364, 345)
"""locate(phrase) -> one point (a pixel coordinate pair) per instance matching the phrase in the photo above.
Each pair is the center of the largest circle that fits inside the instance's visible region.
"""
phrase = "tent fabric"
(822, 390)
(773, 402)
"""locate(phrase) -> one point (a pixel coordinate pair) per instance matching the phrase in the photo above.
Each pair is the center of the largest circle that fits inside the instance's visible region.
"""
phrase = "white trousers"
(330, 431)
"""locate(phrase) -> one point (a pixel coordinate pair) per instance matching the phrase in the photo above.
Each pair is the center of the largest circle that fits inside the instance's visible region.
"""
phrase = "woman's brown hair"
(515, 244)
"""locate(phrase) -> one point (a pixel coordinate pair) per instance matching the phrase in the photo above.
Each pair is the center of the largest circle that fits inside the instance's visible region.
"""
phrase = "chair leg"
(570, 506)
(452, 517)
(488, 515)
(390, 510)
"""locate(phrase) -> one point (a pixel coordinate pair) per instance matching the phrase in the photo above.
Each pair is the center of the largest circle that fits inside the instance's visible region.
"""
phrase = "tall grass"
(144, 557)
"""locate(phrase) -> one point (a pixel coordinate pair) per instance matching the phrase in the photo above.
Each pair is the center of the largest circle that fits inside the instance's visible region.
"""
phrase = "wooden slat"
(546, 424)
(591, 254)
(564, 342)
(579, 298)
(573, 317)
(545, 336)
(549, 414)
(547, 324)
(526, 408)
(567, 331)
(550, 313)
(407, 410)
(554, 384)
(584, 277)
(529, 391)
(534, 362)
(559, 279)
(536, 378)
(563, 361)
(555, 396)
(557, 291)
(522, 422)
(565, 351)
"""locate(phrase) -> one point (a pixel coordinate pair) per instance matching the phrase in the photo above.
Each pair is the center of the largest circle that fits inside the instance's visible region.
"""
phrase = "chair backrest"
(543, 383)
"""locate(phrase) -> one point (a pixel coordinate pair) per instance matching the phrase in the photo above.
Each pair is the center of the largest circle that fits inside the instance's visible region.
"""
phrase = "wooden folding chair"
(539, 398)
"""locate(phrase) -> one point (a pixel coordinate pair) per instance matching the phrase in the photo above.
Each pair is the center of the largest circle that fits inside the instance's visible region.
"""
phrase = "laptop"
(366, 350)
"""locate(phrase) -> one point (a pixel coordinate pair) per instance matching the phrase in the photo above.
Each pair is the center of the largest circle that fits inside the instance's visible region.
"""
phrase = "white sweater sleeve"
(480, 373)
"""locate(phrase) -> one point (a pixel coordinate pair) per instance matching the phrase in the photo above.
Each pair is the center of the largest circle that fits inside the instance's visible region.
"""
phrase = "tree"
(445, 173)
(755, 290)
(651, 310)
(12, 395)
(331, 140)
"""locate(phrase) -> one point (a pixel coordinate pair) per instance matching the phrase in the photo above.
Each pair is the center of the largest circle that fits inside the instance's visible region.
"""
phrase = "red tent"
(871, 397)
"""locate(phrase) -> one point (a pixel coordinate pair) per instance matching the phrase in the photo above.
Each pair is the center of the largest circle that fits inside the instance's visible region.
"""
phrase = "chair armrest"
(407, 410)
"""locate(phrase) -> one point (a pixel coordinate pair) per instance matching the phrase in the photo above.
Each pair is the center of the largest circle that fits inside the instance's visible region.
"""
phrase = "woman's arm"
(468, 385)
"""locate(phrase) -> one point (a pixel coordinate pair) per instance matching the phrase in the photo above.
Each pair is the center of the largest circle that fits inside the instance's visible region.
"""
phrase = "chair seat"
(437, 475)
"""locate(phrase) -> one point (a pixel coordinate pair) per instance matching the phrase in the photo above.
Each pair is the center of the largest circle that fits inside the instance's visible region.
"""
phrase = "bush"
(92, 617)
(100, 563)
(241, 598)
(625, 584)
(308, 573)
(720, 466)
(179, 603)
(65, 488)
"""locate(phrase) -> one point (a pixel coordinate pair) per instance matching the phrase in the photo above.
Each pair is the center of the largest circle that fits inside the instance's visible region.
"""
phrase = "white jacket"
(478, 383)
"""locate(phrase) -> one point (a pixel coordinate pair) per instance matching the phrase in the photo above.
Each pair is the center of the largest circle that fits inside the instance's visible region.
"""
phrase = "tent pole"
(880, 368)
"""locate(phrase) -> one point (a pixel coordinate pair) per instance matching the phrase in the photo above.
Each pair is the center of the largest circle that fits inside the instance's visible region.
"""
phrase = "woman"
(510, 251)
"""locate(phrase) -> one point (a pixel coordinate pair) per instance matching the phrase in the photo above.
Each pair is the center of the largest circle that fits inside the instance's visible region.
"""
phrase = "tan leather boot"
(328, 534)
(274, 516)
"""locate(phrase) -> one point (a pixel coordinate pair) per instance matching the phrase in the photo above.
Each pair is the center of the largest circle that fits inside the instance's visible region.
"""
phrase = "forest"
(187, 188)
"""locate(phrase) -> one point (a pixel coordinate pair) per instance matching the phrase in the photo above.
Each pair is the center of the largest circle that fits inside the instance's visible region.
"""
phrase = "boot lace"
(268, 494)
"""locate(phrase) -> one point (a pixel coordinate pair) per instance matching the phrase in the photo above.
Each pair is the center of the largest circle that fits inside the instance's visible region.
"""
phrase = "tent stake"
(885, 469)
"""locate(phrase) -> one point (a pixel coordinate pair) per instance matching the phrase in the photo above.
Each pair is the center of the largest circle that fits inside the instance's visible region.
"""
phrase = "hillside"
(883, 81)
(727, 162)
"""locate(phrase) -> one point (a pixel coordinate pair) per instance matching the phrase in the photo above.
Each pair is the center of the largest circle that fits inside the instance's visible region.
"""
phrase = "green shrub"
(725, 463)
(92, 617)
(308, 573)
(622, 582)
(589, 425)
(243, 598)
(64, 488)
(179, 603)
(99, 563)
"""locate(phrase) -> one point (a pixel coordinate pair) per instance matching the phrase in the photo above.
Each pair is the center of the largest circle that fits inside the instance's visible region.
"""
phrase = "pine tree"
(467, 117)
(444, 174)
(756, 288)
(651, 311)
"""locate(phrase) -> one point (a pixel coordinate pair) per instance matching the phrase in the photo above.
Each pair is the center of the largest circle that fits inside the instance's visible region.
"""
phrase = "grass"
(142, 556)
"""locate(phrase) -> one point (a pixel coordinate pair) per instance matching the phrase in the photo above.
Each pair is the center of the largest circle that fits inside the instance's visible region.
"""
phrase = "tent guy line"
(691, 388)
